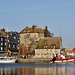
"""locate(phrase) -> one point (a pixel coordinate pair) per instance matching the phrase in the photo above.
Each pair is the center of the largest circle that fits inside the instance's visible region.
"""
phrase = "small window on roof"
(53, 46)
(45, 46)
(27, 30)
(24, 31)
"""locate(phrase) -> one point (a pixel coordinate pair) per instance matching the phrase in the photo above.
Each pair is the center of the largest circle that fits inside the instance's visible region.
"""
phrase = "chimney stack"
(33, 27)
(3, 30)
(46, 27)
(26, 26)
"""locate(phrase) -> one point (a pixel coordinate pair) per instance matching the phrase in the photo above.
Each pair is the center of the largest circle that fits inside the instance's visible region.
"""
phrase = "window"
(1, 48)
(5, 39)
(18, 40)
(1, 43)
(14, 37)
(5, 43)
(45, 46)
(37, 53)
(13, 46)
(1, 39)
(24, 31)
(9, 45)
(27, 36)
(1, 35)
(11, 34)
(27, 30)
(8, 40)
(44, 53)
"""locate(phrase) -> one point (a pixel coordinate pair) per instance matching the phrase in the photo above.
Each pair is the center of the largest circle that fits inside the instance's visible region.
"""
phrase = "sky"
(58, 15)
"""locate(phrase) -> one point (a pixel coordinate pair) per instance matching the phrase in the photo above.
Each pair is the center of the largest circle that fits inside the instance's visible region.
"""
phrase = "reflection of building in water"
(38, 71)
(26, 71)
(49, 71)
(9, 71)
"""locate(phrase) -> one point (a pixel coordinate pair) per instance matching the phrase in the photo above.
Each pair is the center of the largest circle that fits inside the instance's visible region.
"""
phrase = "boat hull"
(69, 60)
(8, 61)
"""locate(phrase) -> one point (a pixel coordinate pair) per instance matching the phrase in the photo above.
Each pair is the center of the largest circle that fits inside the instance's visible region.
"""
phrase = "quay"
(41, 60)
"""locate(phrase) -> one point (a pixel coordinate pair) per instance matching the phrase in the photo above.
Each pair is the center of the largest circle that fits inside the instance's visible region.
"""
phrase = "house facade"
(13, 41)
(2, 42)
(9, 41)
(30, 36)
(48, 47)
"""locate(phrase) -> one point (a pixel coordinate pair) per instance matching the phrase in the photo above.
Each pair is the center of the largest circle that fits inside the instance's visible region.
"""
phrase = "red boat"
(66, 60)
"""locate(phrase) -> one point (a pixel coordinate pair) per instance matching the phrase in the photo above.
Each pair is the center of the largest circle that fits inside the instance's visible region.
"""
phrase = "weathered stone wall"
(29, 37)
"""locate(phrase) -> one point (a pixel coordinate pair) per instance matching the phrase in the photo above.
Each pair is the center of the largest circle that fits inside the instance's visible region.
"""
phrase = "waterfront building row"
(12, 42)
(39, 43)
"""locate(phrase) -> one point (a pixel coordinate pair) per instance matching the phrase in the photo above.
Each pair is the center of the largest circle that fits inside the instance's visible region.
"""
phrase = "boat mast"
(6, 42)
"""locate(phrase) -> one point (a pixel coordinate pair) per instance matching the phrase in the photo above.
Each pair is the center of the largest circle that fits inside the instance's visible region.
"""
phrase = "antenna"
(60, 31)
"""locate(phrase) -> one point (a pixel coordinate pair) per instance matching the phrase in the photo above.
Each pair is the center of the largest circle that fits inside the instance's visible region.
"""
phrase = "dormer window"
(53, 46)
(45, 46)
(27, 30)
(24, 31)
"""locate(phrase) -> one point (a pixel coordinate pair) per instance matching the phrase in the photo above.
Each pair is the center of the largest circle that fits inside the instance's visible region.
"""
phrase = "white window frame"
(1, 43)
(5, 43)
(1, 39)
(1, 48)
(13, 46)
(14, 37)
(8, 40)
(9, 45)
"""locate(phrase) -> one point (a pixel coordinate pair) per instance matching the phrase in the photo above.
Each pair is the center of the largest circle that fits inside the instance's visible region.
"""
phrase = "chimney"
(46, 27)
(26, 26)
(3, 30)
(33, 27)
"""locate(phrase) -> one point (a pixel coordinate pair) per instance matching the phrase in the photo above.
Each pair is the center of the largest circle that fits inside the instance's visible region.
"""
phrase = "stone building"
(31, 35)
(47, 47)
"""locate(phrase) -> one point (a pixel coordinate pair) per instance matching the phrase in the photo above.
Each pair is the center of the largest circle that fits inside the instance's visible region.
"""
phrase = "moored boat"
(66, 60)
(7, 60)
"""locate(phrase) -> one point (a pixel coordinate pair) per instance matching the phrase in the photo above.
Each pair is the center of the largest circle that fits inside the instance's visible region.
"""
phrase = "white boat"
(7, 60)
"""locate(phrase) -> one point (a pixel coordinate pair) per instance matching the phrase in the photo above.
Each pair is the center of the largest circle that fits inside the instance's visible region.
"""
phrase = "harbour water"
(37, 69)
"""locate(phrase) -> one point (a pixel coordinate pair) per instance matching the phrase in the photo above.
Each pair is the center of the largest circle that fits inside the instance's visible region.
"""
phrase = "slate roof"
(31, 30)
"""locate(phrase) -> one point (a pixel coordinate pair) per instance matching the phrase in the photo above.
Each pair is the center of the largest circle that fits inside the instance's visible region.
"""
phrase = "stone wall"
(29, 37)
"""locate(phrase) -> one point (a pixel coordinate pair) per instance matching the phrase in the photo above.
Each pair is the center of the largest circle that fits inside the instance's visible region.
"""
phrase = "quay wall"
(20, 60)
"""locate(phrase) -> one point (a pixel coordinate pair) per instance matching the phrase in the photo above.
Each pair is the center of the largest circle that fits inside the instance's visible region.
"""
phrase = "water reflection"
(8, 71)
(38, 71)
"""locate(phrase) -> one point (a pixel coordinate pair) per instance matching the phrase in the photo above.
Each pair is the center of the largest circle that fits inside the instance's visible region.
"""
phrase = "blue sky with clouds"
(58, 15)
